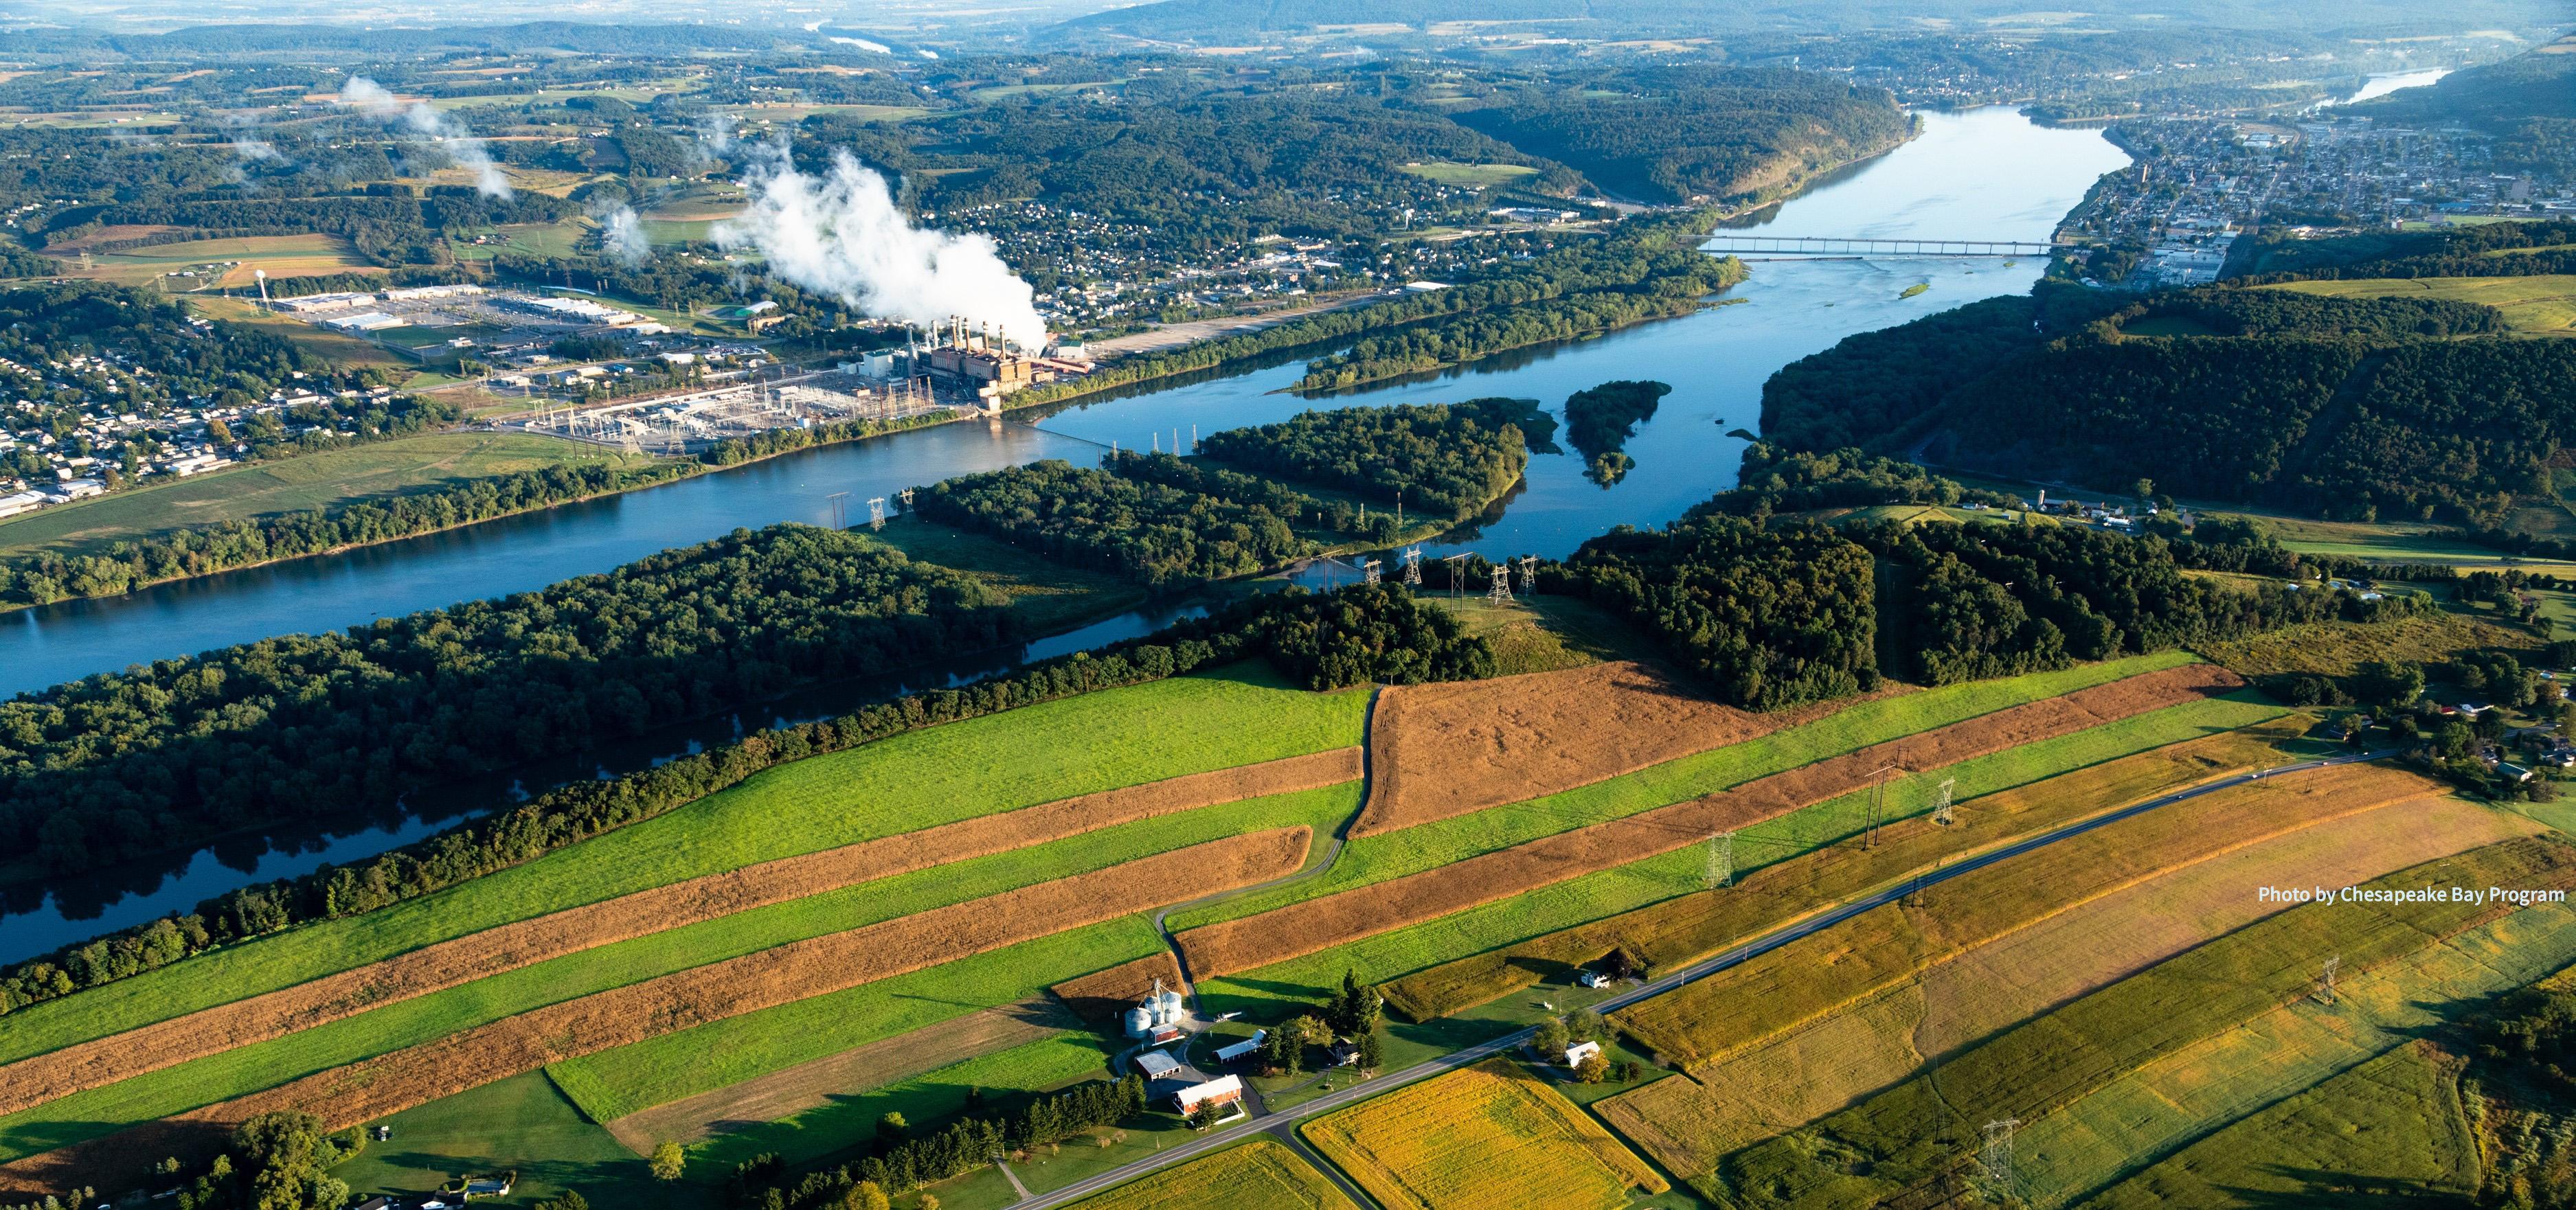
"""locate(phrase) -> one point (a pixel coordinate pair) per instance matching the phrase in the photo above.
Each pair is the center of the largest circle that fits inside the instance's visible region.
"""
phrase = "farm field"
(521, 1124)
(1717, 1017)
(279, 255)
(1330, 920)
(1650, 903)
(1909, 1135)
(784, 974)
(1470, 176)
(2394, 1122)
(1480, 1137)
(1780, 882)
(1877, 1039)
(1546, 633)
(2167, 1104)
(2538, 305)
(401, 466)
(1024, 757)
(663, 910)
(1259, 1175)
(2340, 648)
(1048, 595)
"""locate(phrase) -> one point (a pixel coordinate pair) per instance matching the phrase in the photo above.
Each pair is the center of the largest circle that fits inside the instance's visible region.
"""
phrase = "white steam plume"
(865, 44)
(841, 233)
(426, 124)
(622, 234)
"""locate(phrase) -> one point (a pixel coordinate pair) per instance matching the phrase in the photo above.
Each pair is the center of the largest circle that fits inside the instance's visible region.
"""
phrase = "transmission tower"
(1502, 590)
(1721, 859)
(1457, 574)
(1941, 805)
(1529, 575)
(2325, 982)
(836, 501)
(876, 512)
(1368, 571)
(1996, 1159)
(1413, 566)
(906, 496)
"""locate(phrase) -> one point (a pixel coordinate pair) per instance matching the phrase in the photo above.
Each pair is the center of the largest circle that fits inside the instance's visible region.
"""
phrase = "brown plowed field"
(780, 1094)
(1830, 1063)
(1450, 749)
(363, 1091)
(446, 964)
(1100, 996)
(1338, 919)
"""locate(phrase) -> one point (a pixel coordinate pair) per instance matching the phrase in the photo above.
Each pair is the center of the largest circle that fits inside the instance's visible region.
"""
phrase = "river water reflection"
(1980, 174)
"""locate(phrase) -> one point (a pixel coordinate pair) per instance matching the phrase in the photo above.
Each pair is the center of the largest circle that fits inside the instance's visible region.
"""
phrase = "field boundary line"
(454, 962)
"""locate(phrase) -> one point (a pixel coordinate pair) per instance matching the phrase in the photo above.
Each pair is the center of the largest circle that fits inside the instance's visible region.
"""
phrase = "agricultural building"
(1156, 1065)
(1228, 1054)
(1160, 1010)
(1225, 1092)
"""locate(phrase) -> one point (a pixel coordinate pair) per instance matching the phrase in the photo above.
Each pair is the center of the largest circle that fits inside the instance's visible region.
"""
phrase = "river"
(1980, 174)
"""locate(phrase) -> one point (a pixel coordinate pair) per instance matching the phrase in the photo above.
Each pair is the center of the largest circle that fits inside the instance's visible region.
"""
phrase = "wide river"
(1981, 174)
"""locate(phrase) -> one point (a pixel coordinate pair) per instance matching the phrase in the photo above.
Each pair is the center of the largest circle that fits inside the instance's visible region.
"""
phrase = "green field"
(520, 1124)
(402, 466)
(1623, 888)
(1471, 176)
(1049, 596)
(2542, 305)
(2393, 1123)
(1018, 758)
(615, 1083)
(1370, 859)
(933, 1095)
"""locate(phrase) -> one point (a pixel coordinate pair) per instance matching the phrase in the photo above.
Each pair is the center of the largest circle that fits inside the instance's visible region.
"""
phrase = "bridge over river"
(1836, 245)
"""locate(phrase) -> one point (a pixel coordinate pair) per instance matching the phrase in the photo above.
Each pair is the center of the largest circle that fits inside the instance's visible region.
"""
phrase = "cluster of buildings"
(87, 424)
(2198, 184)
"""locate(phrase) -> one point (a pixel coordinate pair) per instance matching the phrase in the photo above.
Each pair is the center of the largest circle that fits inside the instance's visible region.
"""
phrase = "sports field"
(402, 466)
(2539, 305)
(1481, 1137)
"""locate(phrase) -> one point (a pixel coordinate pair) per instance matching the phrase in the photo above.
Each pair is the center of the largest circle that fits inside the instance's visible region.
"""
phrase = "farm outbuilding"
(1228, 1054)
(1155, 1065)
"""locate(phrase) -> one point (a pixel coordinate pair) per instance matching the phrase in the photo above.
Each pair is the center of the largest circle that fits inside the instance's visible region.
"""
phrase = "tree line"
(1152, 533)
(1678, 285)
(165, 755)
(1353, 636)
(899, 1162)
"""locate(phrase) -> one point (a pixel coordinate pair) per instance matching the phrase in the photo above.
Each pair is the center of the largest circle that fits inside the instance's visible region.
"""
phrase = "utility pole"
(1877, 807)
(834, 501)
(1457, 571)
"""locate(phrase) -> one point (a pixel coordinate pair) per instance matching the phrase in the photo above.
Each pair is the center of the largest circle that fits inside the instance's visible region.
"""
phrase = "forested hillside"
(2343, 407)
(1675, 134)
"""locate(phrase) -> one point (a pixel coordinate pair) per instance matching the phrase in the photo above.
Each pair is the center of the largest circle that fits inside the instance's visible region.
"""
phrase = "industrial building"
(974, 361)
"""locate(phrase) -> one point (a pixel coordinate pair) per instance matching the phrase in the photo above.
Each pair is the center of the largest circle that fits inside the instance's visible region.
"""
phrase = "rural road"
(1281, 1122)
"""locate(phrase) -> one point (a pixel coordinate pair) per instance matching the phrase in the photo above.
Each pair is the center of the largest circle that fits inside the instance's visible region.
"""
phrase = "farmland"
(1482, 1136)
(226, 263)
(1260, 1175)
(2541, 304)
(1913, 1134)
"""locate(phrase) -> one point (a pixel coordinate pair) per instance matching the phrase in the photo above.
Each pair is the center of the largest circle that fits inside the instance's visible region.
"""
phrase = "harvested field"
(446, 964)
(1260, 1175)
(1798, 983)
(1098, 998)
(782, 1094)
(1443, 750)
(1322, 923)
(363, 1091)
(1685, 929)
(1481, 1137)
(1914, 1134)
(1868, 1045)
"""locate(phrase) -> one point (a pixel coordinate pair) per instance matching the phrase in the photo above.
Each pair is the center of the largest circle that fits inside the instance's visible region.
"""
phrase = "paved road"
(1280, 1122)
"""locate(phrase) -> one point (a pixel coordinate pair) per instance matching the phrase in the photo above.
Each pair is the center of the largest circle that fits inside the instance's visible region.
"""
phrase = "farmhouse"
(1577, 1053)
(1224, 1092)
